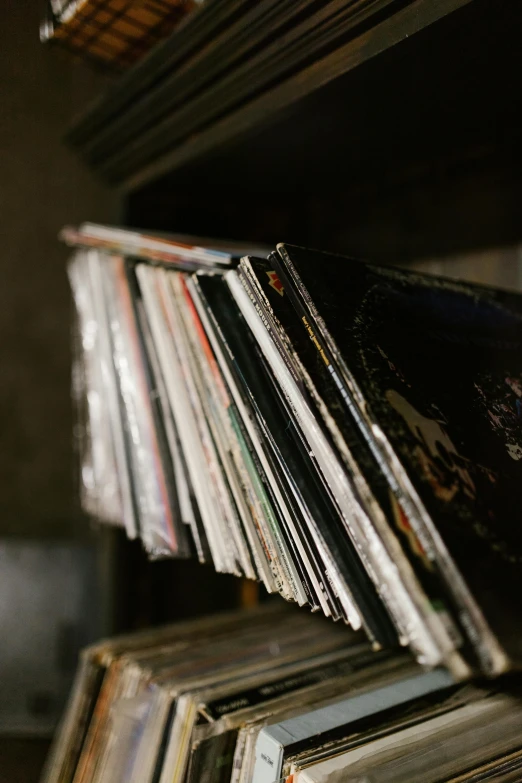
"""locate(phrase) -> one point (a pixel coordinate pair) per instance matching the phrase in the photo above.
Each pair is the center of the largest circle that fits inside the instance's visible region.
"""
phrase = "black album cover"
(439, 366)
(283, 300)
(252, 382)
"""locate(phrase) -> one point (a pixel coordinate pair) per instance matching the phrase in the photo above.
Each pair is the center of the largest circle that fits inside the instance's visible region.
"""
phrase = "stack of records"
(229, 56)
(349, 435)
(274, 695)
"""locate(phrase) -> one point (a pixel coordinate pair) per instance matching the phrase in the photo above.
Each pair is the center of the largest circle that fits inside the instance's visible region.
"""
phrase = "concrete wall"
(42, 186)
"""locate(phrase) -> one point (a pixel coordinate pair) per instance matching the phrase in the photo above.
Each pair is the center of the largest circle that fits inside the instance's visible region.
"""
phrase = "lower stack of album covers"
(348, 435)
(274, 694)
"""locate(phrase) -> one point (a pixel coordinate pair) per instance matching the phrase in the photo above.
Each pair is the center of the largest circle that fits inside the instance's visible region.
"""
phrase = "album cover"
(435, 365)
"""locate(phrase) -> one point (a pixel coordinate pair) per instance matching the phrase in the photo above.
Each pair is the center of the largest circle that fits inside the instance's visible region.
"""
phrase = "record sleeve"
(163, 323)
(258, 651)
(348, 443)
(432, 750)
(295, 734)
(180, 251)
(359, 525)
(387, 720)
(106, 485)
(213, 743)
(185, 507)
(432, 365)
(218, 458)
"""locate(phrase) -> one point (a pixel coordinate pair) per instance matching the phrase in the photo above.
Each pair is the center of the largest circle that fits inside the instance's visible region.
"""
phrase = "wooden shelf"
(414, 153)
(162, 128)
(401, 141)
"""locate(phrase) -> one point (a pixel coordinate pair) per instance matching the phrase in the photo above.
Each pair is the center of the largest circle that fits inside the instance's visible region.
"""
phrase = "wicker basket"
(115, 33)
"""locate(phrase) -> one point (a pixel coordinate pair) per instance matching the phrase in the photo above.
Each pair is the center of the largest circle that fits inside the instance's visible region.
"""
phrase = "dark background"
(42, 187)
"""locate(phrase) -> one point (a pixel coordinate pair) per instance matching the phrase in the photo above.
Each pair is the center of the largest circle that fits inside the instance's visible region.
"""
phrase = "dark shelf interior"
(414, 153)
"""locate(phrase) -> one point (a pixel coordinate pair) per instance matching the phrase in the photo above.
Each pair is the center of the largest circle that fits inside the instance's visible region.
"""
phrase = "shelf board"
(263, 111)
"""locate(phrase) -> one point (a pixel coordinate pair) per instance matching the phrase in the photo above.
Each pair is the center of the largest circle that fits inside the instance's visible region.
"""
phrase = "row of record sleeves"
(346, 434)
(277, 695)
(224, 58)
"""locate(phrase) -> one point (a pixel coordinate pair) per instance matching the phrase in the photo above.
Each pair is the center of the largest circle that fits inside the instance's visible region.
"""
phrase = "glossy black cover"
(439, 364)
(217, 752)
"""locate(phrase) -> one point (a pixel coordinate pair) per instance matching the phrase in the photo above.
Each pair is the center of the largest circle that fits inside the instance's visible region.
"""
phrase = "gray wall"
(42, 186)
